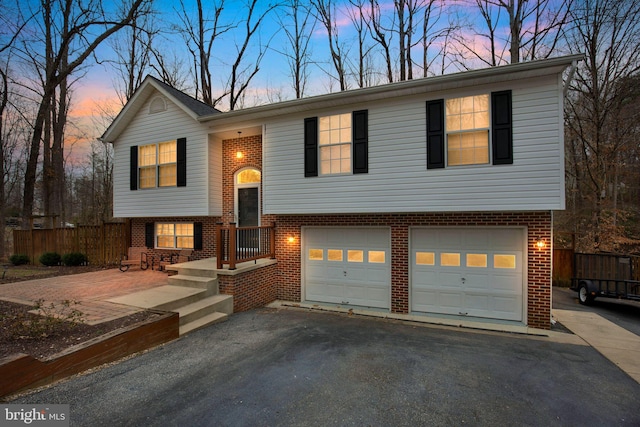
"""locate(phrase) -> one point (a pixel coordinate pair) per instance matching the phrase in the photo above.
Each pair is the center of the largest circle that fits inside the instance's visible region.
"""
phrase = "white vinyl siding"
(144, 129)
(398, 180)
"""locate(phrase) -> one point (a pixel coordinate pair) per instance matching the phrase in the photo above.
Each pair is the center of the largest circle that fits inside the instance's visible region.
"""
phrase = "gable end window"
(472, 130)
(159, 165)
(336, 144)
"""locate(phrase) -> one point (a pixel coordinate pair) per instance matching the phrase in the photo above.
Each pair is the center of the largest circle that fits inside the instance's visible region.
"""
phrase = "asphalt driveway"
(288, 367)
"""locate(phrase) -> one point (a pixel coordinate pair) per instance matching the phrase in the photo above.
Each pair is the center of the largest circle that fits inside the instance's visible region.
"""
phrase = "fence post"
(272, 240)
(232, 245)
(219, 246)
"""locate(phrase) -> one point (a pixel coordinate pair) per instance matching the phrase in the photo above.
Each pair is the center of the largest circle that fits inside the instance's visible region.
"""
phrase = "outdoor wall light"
(291, 239)
(541, 244)
(239, 155)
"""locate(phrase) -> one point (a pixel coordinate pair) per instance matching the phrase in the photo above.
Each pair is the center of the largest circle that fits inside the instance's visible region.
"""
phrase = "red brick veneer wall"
(252, 289)
(251, 149)
(539, 260)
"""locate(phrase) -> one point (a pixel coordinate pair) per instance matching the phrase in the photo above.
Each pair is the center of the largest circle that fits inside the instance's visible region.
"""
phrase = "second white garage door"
(468, 272)
(347, 266)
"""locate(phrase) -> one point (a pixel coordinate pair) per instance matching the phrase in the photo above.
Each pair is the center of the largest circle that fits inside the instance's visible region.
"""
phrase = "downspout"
(572, 72)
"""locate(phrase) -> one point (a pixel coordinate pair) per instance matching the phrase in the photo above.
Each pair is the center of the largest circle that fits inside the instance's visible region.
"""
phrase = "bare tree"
(200, 35)
(382, 35)
(86, 26)
(436, 35)
(534, 29)
(363, 69)
(133, 47)
(602, 119)
(326, 13)
(241, 73)
(298, 24)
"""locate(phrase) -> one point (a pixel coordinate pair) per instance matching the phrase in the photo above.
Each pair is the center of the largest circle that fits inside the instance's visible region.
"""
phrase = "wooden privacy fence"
(562, 267)
(102, 244)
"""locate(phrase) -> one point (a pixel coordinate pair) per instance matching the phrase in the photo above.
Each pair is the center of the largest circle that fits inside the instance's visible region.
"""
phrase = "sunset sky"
(96, 89)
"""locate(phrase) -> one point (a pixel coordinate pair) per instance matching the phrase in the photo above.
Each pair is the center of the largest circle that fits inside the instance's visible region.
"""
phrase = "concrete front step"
(207, 320)
(200, 268)
(194, 282)
(162, 298)
(217, 303)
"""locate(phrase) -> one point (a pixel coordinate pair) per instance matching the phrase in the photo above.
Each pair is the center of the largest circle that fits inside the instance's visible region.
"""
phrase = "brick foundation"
(253, 289)
(538, 287)
(283, 280)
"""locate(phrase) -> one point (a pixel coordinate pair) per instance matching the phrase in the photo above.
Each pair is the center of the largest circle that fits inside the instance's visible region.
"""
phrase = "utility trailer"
(605, 275)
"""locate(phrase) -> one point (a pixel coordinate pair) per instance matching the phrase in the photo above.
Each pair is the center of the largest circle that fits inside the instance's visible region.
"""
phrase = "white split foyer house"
(431, 197)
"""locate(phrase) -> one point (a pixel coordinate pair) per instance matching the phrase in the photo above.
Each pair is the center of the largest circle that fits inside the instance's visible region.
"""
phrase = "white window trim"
(175, 241)
(460, 132)
(350, 143)
(157, 166)
(237, 186)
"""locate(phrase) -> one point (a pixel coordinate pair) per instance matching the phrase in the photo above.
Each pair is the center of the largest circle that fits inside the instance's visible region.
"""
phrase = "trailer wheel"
(584, 296)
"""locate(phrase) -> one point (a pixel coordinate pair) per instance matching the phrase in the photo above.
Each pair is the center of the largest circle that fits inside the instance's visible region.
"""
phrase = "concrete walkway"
(92, 291)
(615, 343)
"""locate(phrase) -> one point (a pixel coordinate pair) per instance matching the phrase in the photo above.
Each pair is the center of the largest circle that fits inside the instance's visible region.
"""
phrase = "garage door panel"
(486, 282)
(348, 273)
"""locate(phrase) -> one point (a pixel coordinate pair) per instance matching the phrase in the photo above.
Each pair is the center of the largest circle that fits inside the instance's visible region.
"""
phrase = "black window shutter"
(181, 162)
(360, 142)
(311, 146)
(197, 236)
(502, 135)
(133, 169)
(435, 134)
(149, 235)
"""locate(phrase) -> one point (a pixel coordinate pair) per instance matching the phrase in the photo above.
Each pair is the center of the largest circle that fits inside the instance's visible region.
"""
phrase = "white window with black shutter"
(336, 144)
(173, 235)
(161, 164)
(471, 130)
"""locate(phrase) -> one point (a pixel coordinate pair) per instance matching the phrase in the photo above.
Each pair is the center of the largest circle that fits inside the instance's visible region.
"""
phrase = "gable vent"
(157, 105)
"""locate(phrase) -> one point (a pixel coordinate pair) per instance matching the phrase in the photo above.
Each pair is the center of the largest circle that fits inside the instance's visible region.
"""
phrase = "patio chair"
(183, 256)
(135, 256)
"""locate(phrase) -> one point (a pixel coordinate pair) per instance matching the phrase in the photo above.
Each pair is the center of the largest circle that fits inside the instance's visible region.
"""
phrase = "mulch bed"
(43, 347)
(44, 272)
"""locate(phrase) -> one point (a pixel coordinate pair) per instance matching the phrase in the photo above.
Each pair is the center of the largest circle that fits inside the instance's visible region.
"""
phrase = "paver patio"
(91, 290)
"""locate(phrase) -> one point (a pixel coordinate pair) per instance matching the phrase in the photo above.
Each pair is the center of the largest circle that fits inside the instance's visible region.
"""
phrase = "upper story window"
(334, 138)
(467, 128)
(336, 144)
(461, 131)
(157, 164)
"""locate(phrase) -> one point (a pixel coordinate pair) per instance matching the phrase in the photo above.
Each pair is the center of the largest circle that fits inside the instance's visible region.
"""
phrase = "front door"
(247, 183)
(248, 205)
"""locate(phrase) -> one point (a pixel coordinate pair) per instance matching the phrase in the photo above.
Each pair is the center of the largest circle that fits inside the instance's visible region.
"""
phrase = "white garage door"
(468, 271)
(347, 266)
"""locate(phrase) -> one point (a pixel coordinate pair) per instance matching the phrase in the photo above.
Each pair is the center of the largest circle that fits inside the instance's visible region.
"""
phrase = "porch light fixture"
(239, 155)
(541, 244)
(291, 239)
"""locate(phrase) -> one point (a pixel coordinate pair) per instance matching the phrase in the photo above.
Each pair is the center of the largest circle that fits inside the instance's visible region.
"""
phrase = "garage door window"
(450, 259)
(355, 255)
(504, 261)
(425, 258)
(377, 257)
(316, 254)
(334, 254)
(477, 260)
